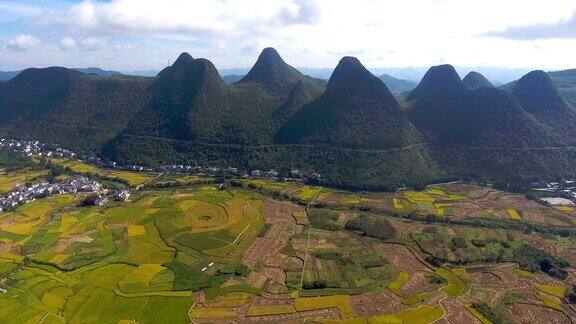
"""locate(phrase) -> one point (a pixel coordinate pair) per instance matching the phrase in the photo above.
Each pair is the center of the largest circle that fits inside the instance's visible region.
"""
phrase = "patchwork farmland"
(266, 251)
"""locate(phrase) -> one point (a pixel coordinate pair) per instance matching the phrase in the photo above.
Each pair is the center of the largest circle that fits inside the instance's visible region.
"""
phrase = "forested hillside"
(351, 130)
(70, 108)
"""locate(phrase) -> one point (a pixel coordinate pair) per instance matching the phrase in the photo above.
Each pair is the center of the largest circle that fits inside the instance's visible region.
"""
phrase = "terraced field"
(133, 178)
(9, 181)
(284, 252)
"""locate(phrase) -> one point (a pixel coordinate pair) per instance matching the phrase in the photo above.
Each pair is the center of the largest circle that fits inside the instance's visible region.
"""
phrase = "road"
(268, 146)
(308, 239)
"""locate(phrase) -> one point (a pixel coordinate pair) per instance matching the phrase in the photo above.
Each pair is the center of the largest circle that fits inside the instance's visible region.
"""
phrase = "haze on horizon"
(146, 34)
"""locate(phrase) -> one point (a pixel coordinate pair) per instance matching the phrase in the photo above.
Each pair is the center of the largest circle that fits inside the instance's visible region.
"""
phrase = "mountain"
(565, 83)
(475, 80)
(5, 76)
(397, 85)
(356, 111)
(485, 132)
(180, 96)
(489, 117)
(439, 80)
(144, 73)
(68, 107)
(97, 71)
(242, 128)
(433, 99)
(537, 94)
(454, 115)
(233, 78)
(191, 102)
(274, 75)
(351, 130)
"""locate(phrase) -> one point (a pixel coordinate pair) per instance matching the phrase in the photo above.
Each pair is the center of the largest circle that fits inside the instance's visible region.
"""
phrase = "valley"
(294, 161)
(192, 248)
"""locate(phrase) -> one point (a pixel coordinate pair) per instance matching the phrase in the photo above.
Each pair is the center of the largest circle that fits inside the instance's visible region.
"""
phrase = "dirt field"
(526, 313)
(400, 257)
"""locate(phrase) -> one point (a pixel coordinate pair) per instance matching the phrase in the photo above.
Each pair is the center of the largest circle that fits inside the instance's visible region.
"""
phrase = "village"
(553, 193)
(98, 195)
(26, 193)
(39, 149)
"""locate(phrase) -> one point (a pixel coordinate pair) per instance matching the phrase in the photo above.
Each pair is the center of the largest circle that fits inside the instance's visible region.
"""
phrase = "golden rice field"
(199, 254)
(134, 178)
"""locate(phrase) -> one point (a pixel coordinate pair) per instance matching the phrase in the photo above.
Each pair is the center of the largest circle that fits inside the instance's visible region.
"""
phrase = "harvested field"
(529, 313)
(400, 257)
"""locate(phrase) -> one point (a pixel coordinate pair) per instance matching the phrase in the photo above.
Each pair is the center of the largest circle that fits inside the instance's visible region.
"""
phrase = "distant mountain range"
(5, 76)
(394, 84)
(497, 75)
(351, 129)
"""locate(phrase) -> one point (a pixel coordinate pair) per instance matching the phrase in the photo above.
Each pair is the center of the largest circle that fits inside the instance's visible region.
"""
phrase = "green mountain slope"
(397, 85)
(475, 80)
(565, 83)
(352, 131)
(189, 101)
(362, 101)
(233, 78)
(454, 115)
(274, 75)
(536, 93)
(356, 111)
(6, 76)
(68, 107)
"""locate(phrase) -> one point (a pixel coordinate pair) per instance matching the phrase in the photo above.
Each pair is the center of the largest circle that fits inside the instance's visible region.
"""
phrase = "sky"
(149, 34)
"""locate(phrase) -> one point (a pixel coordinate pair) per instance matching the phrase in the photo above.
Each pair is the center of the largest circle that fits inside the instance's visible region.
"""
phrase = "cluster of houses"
(211, 171)
(294, 175)
(26, 193)
(565, 189)
(98, 161)
(36, 148)
(104, 196)
(30, 192)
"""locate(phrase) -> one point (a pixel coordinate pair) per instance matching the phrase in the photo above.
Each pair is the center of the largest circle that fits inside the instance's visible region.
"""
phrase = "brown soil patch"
(276, 274)
(527, 313)
(456, 313)
(417, 283)
(300, 317)
(486, 279)
(256, 279)
(400, 257)
(367, 304)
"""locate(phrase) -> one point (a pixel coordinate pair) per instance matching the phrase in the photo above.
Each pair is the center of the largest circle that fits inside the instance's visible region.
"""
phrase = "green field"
(267, 250)
(133, 178)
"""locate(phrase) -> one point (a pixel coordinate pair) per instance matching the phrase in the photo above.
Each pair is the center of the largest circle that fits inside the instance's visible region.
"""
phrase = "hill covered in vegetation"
(475, 80)
(352, 130)
(67, 107)
(397, 85)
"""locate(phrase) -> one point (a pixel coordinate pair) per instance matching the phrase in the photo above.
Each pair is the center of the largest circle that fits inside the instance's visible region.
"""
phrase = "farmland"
(133, 178)
(273, 251)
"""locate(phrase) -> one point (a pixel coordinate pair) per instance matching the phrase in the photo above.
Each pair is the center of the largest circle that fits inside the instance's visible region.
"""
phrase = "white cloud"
(22, 42)
(67, 43)
(87, 44)
(92, 44)
(185, 17)
(312, 33)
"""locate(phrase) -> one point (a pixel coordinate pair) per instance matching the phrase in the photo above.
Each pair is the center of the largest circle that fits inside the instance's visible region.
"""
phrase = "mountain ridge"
(475, 80)
(353, 95)
(351, 130)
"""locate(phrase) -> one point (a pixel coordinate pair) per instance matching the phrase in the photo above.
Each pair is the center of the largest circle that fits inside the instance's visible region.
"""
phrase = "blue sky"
(148, 34)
